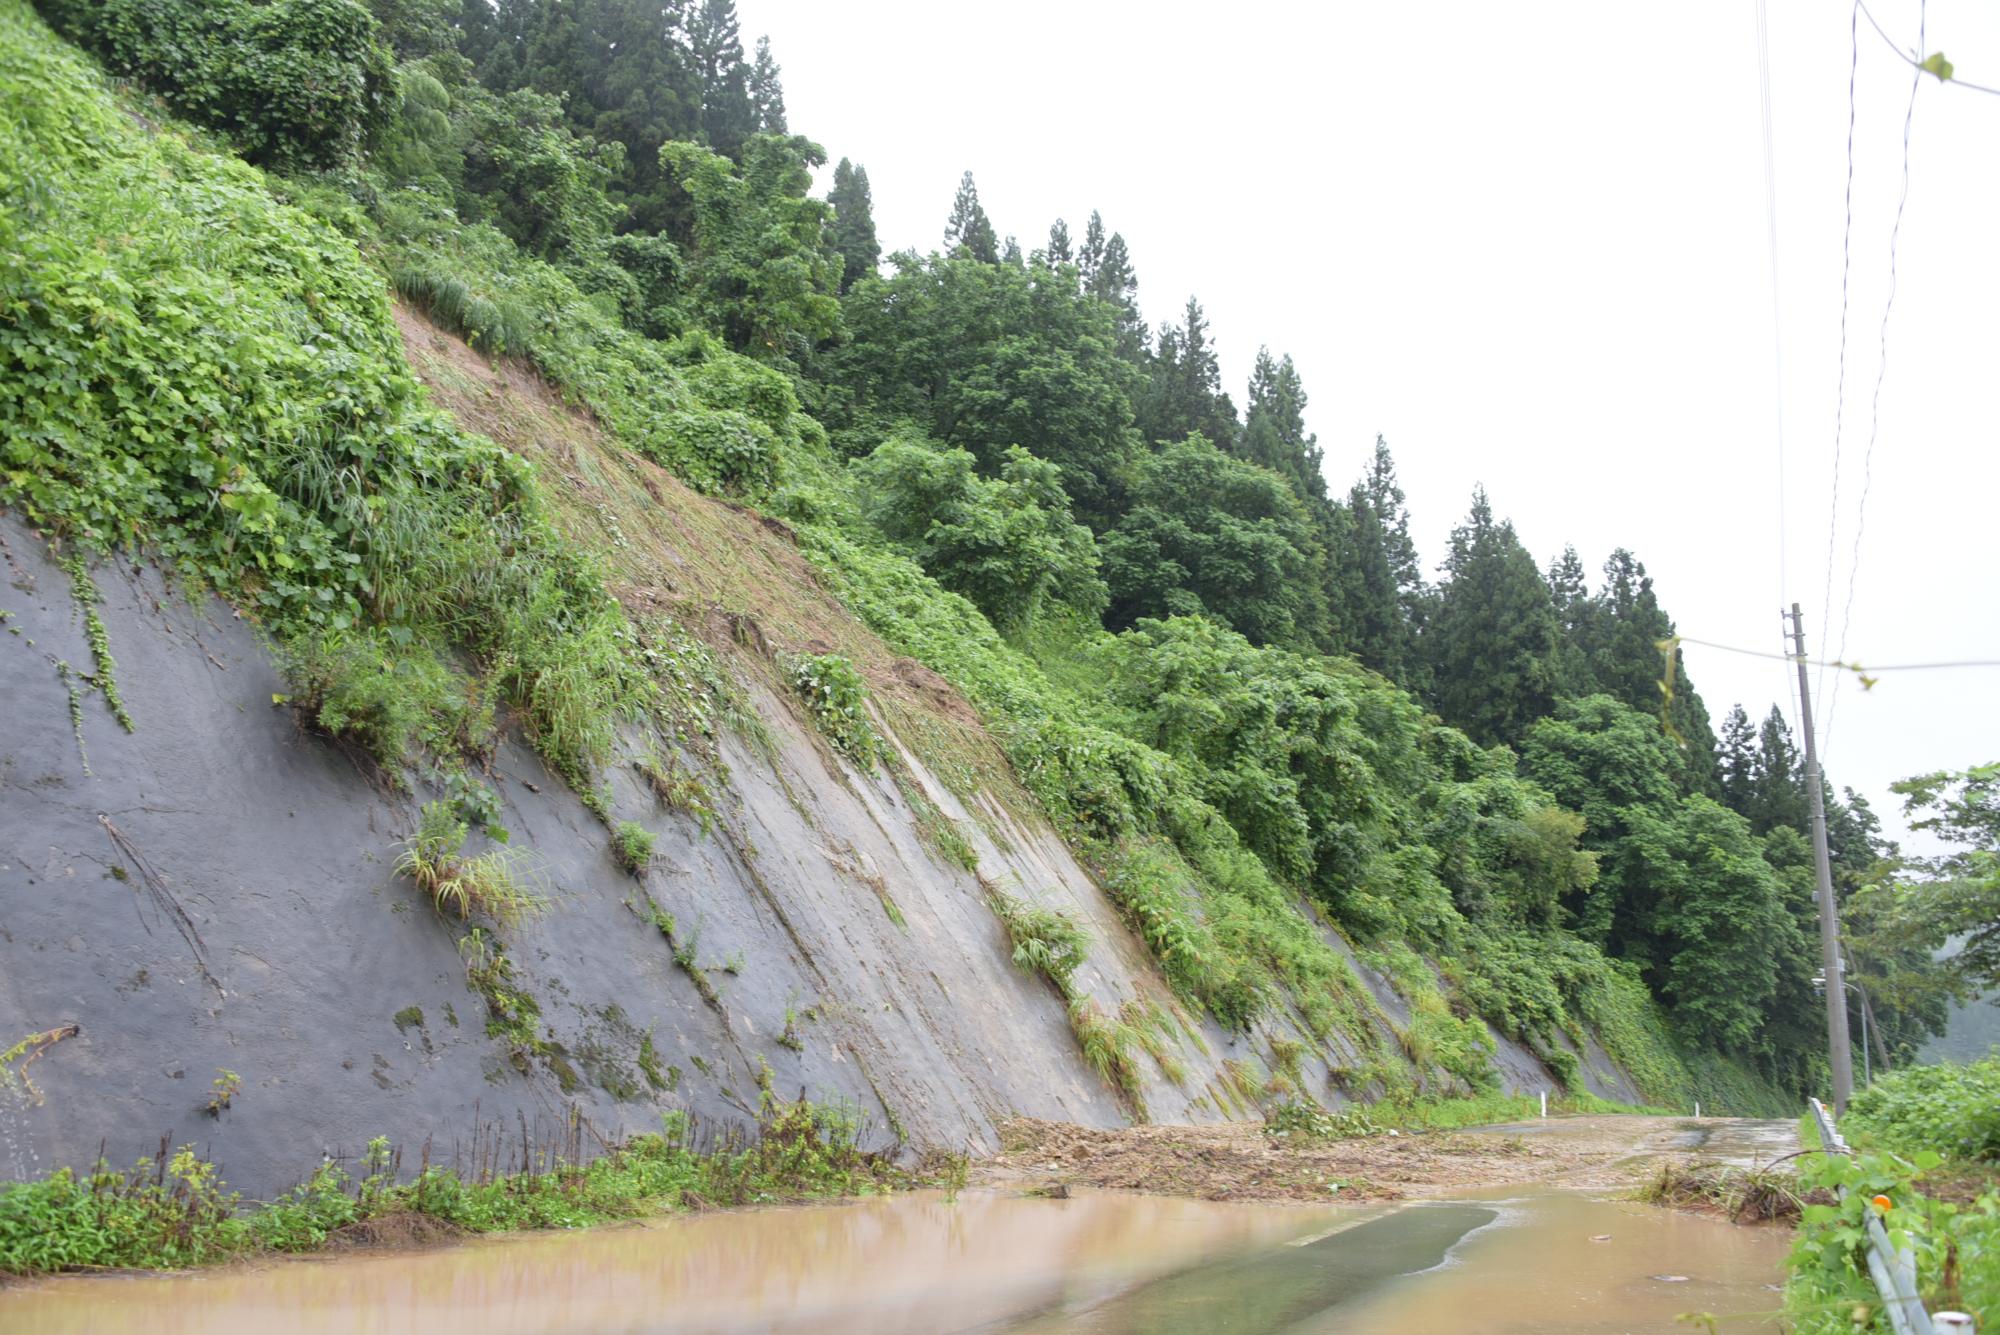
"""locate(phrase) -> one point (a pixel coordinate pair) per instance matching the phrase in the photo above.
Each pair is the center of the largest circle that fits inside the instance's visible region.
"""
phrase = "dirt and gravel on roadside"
(1240, 1161)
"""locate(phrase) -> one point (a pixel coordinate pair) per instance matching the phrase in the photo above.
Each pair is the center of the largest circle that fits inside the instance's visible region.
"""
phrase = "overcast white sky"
(1527, 244)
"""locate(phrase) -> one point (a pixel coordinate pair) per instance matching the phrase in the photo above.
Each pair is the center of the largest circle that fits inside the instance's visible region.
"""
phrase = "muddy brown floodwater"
(1556, 1255)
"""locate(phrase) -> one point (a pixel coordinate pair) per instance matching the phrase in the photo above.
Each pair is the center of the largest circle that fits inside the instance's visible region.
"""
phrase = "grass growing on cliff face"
(179, 1213)
(837, 699)
(1046, 941)
(1111, 1048)
(492, 884)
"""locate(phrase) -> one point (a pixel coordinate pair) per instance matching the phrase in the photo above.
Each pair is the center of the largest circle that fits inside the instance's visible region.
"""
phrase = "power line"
(1846, 269)
(1881, 373)
(1943, 77)
(1865, 669)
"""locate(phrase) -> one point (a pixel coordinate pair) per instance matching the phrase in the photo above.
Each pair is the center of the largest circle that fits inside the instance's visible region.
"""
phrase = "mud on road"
(1239, 1161)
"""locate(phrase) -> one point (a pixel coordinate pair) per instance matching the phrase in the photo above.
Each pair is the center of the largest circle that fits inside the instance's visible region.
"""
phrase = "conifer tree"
(1491, 641)
(638, 85)
(478, 30)
(1010, 253)
(1060, 251)
(853, 224)
(728, 116)
(767, 94)
(1738, 761)
(1623, 660)
(1183, 394)
(1274, 427)
(1385, 497)
(1570, 594)
(1090, 255)
(1779, 792)
(1362, 598)
(969, 226)
(1377, 592)
(1115, 282)
(1567, 588)
(1612, 645)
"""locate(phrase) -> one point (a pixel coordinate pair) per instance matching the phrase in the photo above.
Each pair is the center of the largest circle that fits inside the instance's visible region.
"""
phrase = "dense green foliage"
(760, 274)
(1957, 896)
(1953, 1109)
(985, 356)
(1684, 887)
(853, 227)
(240, 405)
(1923, 1136)
(1956, 1248)
(1208, 534)
(295, 82)
(1007, 543)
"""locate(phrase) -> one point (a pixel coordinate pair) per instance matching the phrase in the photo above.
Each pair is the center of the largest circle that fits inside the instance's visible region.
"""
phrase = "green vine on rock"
(104, 668)
(68, 675)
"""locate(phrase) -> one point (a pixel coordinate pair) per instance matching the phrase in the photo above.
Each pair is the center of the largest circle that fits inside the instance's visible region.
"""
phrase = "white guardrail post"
(1895, 1274)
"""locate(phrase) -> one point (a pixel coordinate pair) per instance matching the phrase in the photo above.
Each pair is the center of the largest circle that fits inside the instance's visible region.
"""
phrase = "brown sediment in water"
(1239, 1161)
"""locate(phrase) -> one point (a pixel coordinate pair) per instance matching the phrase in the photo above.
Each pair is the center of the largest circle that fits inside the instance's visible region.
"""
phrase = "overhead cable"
(1875, 408)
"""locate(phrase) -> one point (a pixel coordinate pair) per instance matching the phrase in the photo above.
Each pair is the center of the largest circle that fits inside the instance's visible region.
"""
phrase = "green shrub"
(178, 1213)
(1956, 1247)
(1948, 1107)
(174, 1215)
(1008, 543)
(837, 699)
(358, 685)
(296, 82)
(632, 843)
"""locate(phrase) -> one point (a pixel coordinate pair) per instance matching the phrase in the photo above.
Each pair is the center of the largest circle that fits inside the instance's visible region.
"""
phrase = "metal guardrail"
(1894, 1272)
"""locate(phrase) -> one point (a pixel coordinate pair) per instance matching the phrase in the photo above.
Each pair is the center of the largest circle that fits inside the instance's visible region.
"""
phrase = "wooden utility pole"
(1835, 968)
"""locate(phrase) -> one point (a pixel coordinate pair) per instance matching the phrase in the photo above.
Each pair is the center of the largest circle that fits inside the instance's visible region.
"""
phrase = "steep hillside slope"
(217, 891)
(432, 762)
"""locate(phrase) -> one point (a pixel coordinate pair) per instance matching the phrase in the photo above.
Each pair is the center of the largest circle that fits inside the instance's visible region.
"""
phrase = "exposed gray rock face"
(216, 891)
